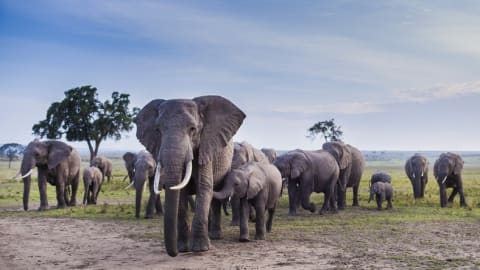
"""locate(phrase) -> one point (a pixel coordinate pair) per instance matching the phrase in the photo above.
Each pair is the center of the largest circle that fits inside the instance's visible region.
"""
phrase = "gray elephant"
(307, 172)
(57, 164)
(380, 177)
(129, 159)
(257, 184)
(382, 191)
(104, 164)
(243, 153)
(92, 181)
(190, 139)
(448, 172)
(270, 153)
(351, 164)
(416, 168)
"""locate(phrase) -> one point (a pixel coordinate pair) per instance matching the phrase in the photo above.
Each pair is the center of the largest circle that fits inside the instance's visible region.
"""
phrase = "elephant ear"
(435, 168)
(458, 166)
(146, 127)
(255, 184)
(408, 167)
(340, 152)
(221, 120)
(299, 163)
(57, 152)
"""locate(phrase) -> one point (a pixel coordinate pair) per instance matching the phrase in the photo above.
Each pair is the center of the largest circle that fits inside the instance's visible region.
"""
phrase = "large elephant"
(351, 164)
(448, 173)
(254, 183)
(307, 172)
(57, 164)
(243, 153)
(105, 166)
(270, 153)
(416, 168)
(92, 182)
(190, 139)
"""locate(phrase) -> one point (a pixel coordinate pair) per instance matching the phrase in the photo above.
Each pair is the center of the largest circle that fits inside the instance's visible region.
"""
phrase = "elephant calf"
(104, 164)
(257, 184)
(92, 180)
(382, 191)
(380, 177)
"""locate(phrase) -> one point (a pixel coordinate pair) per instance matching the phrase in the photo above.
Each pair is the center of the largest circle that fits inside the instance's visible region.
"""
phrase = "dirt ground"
(63, 243)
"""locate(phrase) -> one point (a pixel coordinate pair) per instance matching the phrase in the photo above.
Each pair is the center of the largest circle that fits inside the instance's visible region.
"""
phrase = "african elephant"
(104, 164)
(307, 172)
(448, 172)
(257, 184)
(270, 153)
(190, 139)
(129, 159)
(57, 164)
(382, 191)
(243, 152)
(92, 181)
(351, 164)
(416, 169)
(380, 177)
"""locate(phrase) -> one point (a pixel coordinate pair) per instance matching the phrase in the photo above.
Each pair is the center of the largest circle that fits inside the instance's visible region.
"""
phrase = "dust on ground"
(64, 243)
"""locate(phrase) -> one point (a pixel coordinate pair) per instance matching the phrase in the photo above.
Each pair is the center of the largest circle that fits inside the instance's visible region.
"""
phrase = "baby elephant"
(382, 191)
(257, 184)
(92, 180)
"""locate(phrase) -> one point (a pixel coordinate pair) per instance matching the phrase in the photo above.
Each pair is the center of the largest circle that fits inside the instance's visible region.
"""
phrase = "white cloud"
(340, 108)
(438, 92)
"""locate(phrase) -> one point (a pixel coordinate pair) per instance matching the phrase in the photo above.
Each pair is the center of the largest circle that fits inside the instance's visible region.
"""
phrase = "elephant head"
(416, 169)
(342, 154)
(129, 159)
(292, 164)
(270, 153)
(244, 181)
(448, 164)
(44, 155)
(244, 152)
(177, 132)
(144, 168)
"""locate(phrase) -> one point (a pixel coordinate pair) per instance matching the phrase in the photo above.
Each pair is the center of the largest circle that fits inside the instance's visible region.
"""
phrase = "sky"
(394, 74)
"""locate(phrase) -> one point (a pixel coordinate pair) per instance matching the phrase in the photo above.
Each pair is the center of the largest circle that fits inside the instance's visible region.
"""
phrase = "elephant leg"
(60, 192)
(75, 183)
(443, 196)
(94, 193)
(463, 202)
(292, 197)
(271, 212)
(67, 194)
(183, 225)
(307, 205)
(378, 198)
(215, 231)
(452, 195)
(158, 205)
(42, 188)
(225, 207)
(244, 209)
(235, 203)
(355, 195)
(203, 199)
(151, 200)
(252, 214)
(389, 203)
(260, 230)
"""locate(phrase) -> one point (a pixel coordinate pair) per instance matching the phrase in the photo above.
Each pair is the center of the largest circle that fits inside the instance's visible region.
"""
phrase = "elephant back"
(381, 177)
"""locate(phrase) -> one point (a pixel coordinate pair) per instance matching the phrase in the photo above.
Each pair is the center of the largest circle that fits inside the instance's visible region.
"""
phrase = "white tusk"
(16, 175)
(145, 186)
(186, 179)
(156, 181)
(131, 184)
(413, 175)
(23, 176)
(422, 173)
(444, 179)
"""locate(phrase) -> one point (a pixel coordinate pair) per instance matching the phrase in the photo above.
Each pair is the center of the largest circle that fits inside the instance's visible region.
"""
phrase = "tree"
(11, 151)
(330, 131)
(80, 116)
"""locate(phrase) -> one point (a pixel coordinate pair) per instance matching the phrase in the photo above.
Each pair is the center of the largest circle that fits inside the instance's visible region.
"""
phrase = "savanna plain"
(415, 234)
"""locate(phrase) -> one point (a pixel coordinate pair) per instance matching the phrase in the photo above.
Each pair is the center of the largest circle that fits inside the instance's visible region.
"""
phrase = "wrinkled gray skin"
(416, 168)
(380, 177)
(448, 173)
(129, 159)
(351, 164)
(307, 172)
(105, 166)
(57, 164)
(92, 182)
(257, 184)
(243, 153)
(270, 153)
(382, 191)
(200, 131)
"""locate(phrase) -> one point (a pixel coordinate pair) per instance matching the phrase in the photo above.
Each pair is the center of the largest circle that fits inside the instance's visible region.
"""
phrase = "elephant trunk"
(371, 196)
(26, 170)
(417, 185)
(26, 191)
(139, 180)
(224, 193)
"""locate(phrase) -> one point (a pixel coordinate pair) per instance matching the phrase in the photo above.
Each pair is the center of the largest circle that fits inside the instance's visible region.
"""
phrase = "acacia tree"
(80, 116)
(329, 130)
(11, 151)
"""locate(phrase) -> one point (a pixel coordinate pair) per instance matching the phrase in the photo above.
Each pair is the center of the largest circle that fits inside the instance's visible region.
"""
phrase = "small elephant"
(92, 180)
(129, 159)
(58, 164)
(382, 191)
(104, 164)
(416, 169)
(380, 177)
(351, 164)
(257, 184)
(448, 172)
(307, 172)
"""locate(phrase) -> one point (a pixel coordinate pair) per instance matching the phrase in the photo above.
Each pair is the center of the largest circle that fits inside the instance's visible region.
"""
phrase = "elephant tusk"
(130, 185)
(413, 175)
(444, 179)
(145, 186)
(186, 179)
(422, 174)
(156, 181)
(23, 176)
(16, 175)
(124, 178)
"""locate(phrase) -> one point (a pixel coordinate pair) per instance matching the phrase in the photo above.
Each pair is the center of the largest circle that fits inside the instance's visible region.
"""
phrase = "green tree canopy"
(11, 151)
(80, 116)
(329, 130)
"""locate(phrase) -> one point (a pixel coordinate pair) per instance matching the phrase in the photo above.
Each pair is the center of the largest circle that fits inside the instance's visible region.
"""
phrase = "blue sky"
(396, 75)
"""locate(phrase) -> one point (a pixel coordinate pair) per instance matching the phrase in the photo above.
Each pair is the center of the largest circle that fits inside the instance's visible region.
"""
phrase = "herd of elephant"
(189, 151)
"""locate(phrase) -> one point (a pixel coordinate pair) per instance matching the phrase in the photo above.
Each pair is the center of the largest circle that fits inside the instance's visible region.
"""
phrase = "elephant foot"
(201, 244)
(259, 237)
(148, 217)
(183, 246)
(341, 207)
(215, 235)
(355, 204)
(244, 239)
(61, 206)
(43, 208)
(73, 203)
(292, 213)
(234, 223)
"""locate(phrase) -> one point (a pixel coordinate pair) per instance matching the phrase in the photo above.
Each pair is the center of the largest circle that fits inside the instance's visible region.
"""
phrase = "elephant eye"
(192, 131)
